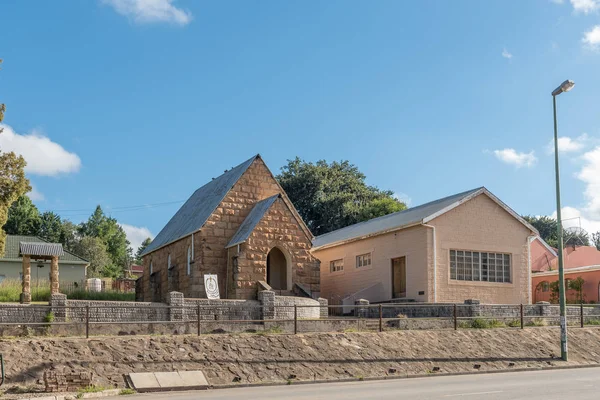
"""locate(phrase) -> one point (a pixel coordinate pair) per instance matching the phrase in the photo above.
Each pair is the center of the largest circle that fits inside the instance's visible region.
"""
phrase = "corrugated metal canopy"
(253, 218)
(395, 220)
(41, 249)
(198, 208)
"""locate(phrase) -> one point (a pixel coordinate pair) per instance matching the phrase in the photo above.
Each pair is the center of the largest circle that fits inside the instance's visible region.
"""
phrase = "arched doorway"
(277, 271)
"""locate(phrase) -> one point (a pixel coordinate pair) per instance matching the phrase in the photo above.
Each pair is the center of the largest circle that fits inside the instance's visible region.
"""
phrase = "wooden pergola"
(39, 251)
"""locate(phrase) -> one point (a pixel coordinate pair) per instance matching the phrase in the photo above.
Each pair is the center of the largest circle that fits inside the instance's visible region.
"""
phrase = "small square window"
(363, 260)
(336, 265)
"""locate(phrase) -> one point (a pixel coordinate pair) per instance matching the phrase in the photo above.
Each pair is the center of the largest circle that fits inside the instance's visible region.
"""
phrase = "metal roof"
(12, 249)
(399, 219)
(197, 209)
(253, 218)
(41, 249)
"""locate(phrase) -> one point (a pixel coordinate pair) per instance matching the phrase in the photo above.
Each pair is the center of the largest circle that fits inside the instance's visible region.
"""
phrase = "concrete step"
(164, 381)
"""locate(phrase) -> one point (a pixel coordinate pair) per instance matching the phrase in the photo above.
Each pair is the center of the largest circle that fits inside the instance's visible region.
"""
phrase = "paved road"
(580, 384)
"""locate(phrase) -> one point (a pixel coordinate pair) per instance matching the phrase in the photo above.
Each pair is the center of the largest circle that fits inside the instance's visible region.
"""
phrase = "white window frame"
(480, 266)
(361, 260)
(333, 268)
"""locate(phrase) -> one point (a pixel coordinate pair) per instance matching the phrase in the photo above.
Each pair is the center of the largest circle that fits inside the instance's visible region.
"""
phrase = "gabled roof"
(12, 249)
(41, 249)
(253, 218)
(409, 217)
(194, 213)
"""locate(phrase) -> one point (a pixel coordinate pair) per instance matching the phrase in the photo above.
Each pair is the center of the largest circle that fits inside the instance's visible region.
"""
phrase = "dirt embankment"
(253, 358)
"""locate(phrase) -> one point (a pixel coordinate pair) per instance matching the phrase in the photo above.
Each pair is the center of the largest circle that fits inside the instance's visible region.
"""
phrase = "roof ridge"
(184, 222)
(406, 210)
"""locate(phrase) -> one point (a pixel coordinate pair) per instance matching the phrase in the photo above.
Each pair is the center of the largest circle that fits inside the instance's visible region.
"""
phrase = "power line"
(80, 211)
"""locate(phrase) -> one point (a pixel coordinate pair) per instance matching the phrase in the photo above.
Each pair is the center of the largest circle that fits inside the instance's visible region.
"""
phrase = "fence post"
(295, 319)
(581, 314)
(198, 316)
(87, 322)
(522, 320)
(380, 318)
(455, 318)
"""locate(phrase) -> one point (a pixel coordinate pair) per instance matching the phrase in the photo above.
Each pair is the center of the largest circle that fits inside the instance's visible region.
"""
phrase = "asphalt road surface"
(580, 384)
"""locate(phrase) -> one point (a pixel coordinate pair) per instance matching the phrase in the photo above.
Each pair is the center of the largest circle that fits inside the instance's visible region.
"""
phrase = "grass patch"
(89, 389)
(350, 330)
(515, 323)
(592, 322)
(127, 391)
(537, 322)
(273, 330)
(481, 323)
(10, 292)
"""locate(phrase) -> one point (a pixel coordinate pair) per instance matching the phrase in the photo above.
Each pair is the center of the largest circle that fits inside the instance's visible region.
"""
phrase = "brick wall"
(210, 255)
(481, 225)
(278, 228)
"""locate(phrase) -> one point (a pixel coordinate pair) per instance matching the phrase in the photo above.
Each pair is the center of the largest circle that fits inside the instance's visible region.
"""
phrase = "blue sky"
(135, 102)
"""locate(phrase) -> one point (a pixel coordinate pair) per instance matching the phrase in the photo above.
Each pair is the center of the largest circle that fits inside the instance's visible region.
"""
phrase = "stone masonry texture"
(281, 227)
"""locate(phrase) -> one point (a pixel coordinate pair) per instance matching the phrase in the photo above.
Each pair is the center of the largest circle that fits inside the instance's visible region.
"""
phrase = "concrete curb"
(402, 376)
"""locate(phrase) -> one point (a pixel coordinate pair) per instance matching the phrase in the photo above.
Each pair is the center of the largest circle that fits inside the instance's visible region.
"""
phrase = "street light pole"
(564, 87)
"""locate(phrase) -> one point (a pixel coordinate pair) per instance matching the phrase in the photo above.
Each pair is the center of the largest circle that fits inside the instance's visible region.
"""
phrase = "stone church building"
(240, 226)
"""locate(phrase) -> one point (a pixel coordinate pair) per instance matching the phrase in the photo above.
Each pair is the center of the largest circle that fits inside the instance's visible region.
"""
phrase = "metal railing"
(91, 320)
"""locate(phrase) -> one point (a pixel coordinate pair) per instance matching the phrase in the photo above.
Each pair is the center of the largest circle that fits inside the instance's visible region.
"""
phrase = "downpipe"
(434, 261)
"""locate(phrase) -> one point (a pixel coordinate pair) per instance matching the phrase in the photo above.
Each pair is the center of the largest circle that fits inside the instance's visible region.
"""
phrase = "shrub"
(49, 318)
(127, 391)
(537, 322)
(479, 323)
(496, 324)
(592, 322)
(514, 323)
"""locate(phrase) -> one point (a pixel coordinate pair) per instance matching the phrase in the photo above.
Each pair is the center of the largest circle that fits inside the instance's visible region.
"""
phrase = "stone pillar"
(58, 304)
(175, 301)
(54, 289)
(26, 284)
(267, 299)
(324, 310)
(544, 309)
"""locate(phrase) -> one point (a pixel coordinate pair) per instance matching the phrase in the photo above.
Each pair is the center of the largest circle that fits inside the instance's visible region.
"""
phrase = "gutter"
(354, 239)
(434, 261)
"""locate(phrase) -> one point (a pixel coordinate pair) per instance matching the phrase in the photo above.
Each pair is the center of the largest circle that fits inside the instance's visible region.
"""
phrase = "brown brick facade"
(281, 227)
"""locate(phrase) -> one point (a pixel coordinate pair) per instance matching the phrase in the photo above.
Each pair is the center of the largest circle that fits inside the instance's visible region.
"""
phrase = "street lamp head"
(564, 87)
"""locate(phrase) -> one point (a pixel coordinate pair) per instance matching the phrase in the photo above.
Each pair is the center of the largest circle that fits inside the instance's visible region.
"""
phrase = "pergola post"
(26, 284)
(54, 286)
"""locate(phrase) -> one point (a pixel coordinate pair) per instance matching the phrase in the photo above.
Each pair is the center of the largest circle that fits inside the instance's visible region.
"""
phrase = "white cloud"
(506, 54)
(403, 197)
(136, 235)
(149, 11)
(569, 145)
(592, 37)
(34, 195)
(585, 6)
(43, 156)
(511, 156)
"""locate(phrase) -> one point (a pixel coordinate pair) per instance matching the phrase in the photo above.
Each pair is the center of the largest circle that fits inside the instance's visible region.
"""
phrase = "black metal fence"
(96, 319)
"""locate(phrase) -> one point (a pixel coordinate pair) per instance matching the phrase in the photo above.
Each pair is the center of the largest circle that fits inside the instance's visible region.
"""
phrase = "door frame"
(392, 274)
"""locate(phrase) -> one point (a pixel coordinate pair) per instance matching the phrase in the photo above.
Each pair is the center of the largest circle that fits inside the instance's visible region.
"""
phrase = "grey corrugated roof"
(198, 208)
(251, 220)
(12, 249)
(41, 249)
(395, 220)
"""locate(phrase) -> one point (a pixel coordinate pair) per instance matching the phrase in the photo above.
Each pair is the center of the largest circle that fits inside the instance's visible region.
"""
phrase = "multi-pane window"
(336, 265)
(480, 266)
(364, 260)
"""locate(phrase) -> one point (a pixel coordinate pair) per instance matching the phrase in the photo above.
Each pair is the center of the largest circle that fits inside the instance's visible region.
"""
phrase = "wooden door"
(399, 277)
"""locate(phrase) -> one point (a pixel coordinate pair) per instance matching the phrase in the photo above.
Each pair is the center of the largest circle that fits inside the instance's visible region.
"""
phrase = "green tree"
(140, 250)
(23, 218)
(330, 196)
(94, 250)
(13, 182)
(547, 227)
(51, 227)
(596, 240)
(577, 285)
(69, 235)
(112, 235)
